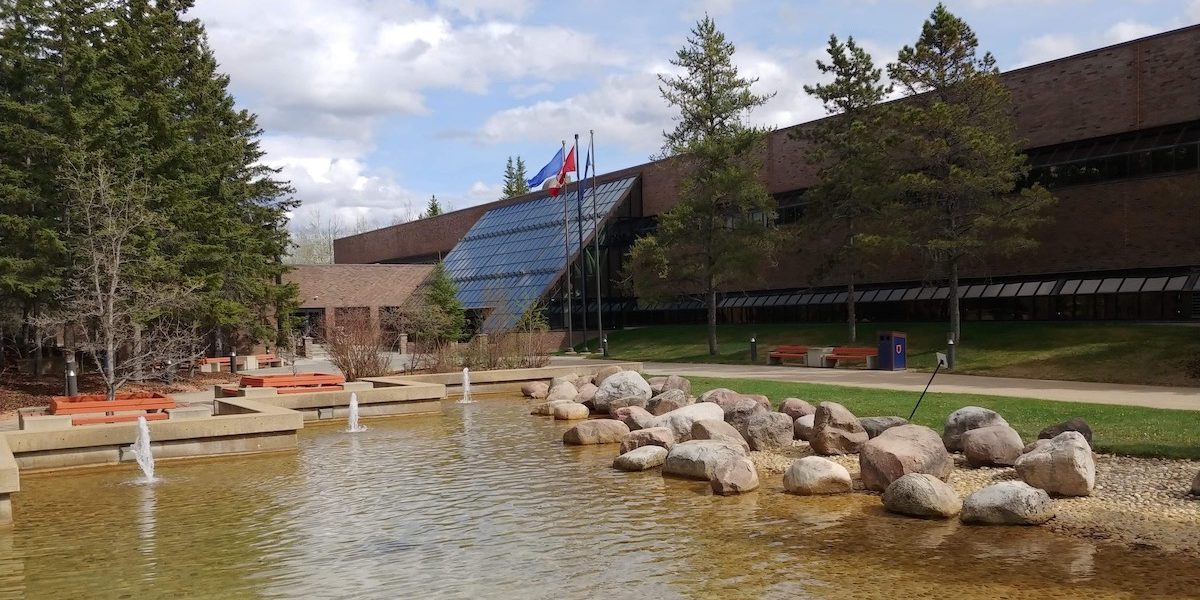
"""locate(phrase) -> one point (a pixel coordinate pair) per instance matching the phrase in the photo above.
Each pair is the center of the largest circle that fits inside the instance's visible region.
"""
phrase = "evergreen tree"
(432, 209)
(721, 230)
(439, 318)
(515, 179)
(959, 152)
(850, 152)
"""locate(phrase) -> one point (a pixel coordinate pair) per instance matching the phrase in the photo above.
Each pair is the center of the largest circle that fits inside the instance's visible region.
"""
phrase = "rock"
(586, 392)
(1196, 485)
(667, 401)
(734, 476)
(740, 412)
(681, 419)
(1072, 424)
(547, 408)
(653, 436)
(720, 395)
(803, 427)
(796, 408)
(569, 411)
(591, 406)
(922, 495)
(599, 431)
(603, 373)
(561, 379)
(641, 458)
(836, 430)
(769, 431)
(675, 382)
(1064, 467)
(627, 401)
(634, 417)
(762, 400)
(564, 390)
(966, 419)
(535, 389)
(656, 384)
(1034, 445)
(900, 451)
(877, 425)
(624, 384)
(1008, 503)
(813, 475)
(699, 459)
(582, 380)
(992, 446)
(716, 429)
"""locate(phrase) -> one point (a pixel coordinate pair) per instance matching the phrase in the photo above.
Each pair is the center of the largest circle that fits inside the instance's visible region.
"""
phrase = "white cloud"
(1192, 15)
(1129, 30)
(1048, 47)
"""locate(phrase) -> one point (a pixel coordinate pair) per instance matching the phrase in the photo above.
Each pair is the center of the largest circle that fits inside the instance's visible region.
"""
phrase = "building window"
(1171, 149)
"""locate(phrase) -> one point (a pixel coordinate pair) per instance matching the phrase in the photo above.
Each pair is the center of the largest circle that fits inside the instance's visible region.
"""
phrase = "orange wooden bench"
(848, 353)
(308, 388)
(94, 408)
(288, 380)
(782, 353)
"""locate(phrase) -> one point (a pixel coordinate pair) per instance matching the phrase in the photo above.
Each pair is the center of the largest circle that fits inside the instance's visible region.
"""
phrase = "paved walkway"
(1150, 396)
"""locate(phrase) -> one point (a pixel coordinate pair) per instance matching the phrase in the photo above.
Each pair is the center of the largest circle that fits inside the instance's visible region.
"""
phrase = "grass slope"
(1102, 352)
(1116, 429)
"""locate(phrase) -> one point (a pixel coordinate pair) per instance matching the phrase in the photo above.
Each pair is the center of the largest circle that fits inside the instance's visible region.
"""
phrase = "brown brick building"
(332, 293)
(1114, 133)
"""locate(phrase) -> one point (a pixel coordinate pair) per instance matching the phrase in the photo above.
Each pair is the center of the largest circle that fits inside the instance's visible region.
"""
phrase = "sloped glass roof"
(513, 254)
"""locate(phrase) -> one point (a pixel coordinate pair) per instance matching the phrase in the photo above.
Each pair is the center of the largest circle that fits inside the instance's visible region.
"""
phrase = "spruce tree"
(721, 230)
(854, 188)
(959, 153)
(432, 209)
(445, 317)
(515, 179)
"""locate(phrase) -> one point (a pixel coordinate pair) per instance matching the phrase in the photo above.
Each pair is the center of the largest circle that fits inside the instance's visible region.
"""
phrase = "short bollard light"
(604, 346)
(170, 374)
(233, 361)
(753, 348)
(950, 352)
(72, 383)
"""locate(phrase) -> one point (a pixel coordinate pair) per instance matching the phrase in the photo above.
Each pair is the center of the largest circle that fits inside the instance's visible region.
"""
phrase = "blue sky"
(371, 106)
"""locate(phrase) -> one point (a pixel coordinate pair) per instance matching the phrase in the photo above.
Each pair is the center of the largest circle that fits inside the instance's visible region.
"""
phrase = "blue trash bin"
(893, 351)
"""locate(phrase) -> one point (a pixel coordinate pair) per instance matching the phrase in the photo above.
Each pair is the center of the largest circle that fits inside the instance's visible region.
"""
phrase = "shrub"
(358, 349)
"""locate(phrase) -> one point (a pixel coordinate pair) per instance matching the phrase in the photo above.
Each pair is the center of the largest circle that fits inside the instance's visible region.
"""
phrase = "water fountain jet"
(352, 424)
(466, 387)
(141, 450)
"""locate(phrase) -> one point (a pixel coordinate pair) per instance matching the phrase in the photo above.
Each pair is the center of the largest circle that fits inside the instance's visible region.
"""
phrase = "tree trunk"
(955, 318)
(851, 319)
(711, 300)
(138, 374)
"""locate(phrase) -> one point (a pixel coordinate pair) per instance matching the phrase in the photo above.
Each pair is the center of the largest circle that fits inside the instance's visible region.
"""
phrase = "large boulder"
(877, 425)
(625, 384)
(716, 429)
(604, 373)
(1063, 467)
(1072, 424)
(813, 475)
(635, 417)
(922, 495)
(796, 408)
(668, 401)
(803, 427)
(699, 459)
(535, 389)
(769, 431)
(1196, 485)
(569, 411)
(587, 391)
(599, 431)
(675, 382)
(760, 399)
(720, 396)
(681, 419)
(964, 420)
(547, 408)
(900, 451)
(741, 412)
(654, 436)
(642, 458)
(561, 379)
(836, 430)
(734, 476)
(1008, 503)
(563, 390)
(995, 445)
(656, 384)
(627, 401)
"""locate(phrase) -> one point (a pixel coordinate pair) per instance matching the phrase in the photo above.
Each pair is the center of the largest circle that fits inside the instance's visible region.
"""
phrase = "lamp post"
(754, 348)
(950, 351)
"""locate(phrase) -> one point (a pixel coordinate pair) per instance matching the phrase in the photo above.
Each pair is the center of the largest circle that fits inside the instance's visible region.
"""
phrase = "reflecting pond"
(483, 501)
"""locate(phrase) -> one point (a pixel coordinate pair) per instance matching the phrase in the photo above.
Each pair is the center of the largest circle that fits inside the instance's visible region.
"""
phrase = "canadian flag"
(558, 181)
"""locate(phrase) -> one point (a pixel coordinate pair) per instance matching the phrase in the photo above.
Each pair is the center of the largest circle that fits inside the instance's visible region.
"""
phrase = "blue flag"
(550, 170)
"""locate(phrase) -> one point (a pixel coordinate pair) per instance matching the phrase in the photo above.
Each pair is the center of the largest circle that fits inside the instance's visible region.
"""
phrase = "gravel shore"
(1138, 502)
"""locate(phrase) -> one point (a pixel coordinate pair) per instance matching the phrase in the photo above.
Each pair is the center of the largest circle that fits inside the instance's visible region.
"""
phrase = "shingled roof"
(324, 286)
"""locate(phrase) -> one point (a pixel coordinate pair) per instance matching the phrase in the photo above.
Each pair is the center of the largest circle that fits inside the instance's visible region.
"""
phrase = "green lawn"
(1103, 352)
(1116, 429)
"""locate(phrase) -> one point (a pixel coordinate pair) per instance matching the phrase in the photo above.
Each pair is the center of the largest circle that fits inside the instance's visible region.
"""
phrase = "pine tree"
(850, 151)
(959, 152)
(439, 318)
(721, 231)
(432, 209)
(515, 179)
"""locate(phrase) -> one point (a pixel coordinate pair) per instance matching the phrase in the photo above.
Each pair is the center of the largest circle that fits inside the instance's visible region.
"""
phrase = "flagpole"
(567, 260)
(582, 248)
(596, 237)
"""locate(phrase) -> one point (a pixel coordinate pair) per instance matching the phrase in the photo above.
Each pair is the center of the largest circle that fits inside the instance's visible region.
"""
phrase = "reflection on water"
(484, 502)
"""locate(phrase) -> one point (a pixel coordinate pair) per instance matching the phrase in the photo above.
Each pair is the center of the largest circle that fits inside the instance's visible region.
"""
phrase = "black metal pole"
(233, 361)
(582, 249)
(914, 410)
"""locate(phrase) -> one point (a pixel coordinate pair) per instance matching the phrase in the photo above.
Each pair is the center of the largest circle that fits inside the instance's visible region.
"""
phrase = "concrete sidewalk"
(1178, 398)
